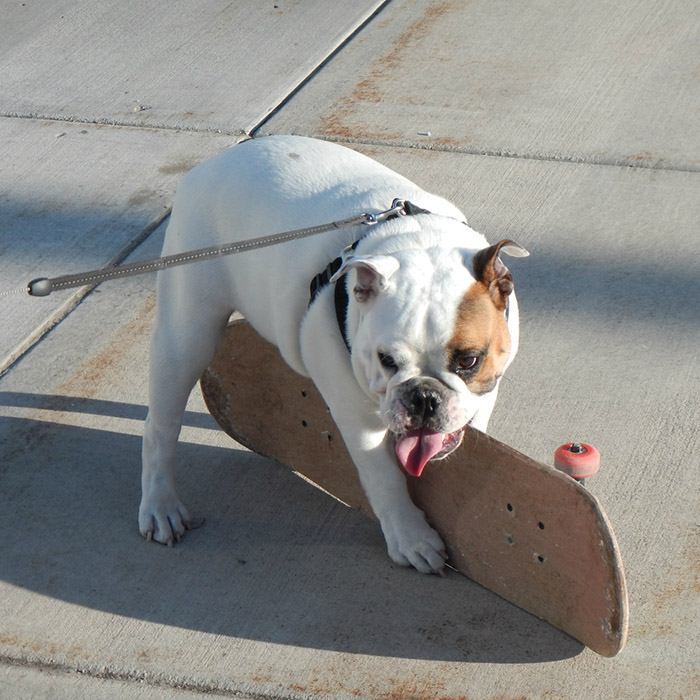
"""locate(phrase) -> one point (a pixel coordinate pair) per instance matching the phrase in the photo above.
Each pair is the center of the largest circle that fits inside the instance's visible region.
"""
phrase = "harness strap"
(341, 299)
(340, 294)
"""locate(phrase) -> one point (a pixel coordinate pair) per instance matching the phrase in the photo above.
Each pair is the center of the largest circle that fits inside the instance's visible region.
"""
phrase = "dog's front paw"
(412, 542)
(164, 520)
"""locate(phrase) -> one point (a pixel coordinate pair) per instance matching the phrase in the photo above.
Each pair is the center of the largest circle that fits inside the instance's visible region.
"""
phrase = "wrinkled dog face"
(430, 353)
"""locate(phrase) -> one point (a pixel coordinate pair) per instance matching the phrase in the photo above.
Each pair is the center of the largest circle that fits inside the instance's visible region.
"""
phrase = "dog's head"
(430, 340)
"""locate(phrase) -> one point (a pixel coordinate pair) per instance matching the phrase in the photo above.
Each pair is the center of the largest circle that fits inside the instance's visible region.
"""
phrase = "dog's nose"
(425, 402)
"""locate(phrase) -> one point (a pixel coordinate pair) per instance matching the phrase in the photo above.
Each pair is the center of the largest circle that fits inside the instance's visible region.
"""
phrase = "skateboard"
(518, 527)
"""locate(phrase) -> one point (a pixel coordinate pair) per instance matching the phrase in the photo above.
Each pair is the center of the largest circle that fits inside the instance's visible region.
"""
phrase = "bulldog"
(406, 337)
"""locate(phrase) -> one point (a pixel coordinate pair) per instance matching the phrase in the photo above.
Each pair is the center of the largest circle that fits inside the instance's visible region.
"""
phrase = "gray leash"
(43, 286)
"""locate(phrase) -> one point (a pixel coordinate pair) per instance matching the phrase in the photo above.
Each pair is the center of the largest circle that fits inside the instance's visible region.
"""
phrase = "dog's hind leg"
(185, 337)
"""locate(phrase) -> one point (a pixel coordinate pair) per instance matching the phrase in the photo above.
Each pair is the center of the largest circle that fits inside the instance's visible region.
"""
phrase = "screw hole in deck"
(540, 525)
(509, 507)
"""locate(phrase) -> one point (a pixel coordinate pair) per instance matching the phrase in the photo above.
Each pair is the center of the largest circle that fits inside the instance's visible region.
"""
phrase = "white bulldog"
(431, 321)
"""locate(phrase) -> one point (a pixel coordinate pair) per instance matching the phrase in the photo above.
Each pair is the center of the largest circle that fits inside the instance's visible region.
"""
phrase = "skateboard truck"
(578, 460)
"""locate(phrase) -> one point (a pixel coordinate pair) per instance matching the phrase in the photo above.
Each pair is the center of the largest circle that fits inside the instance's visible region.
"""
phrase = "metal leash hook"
(398, 208)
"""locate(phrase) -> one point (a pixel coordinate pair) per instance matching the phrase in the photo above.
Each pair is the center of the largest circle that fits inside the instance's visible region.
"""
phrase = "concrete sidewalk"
(569, 127)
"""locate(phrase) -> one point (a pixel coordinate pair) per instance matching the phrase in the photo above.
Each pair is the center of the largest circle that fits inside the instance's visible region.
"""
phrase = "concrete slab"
(73, 198)
(213, 65)
(287, 594)
(597, 82)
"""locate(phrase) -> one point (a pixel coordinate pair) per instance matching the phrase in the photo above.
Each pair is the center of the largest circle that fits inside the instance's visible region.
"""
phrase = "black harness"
(340, 292)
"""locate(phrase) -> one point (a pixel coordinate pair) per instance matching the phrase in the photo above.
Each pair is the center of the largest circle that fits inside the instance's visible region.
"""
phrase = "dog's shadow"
(277, 560)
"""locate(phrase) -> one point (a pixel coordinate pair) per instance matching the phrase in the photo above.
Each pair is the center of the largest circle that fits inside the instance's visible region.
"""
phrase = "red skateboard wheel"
(577, 459)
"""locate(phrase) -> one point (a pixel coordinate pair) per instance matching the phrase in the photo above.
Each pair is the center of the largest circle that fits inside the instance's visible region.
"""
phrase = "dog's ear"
(490, 270)
(372, 274)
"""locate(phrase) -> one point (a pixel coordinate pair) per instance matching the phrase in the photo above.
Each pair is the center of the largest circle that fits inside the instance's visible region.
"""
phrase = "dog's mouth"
(418, 447)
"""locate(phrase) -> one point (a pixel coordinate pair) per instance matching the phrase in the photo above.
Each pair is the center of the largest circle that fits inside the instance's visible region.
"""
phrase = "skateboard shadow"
(277, 560)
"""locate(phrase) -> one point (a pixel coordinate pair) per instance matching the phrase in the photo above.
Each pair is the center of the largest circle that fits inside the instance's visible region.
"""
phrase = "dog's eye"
(388, 362)
(466, 364)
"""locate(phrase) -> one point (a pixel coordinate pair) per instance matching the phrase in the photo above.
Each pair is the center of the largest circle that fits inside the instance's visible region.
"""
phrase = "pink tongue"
(417, 448)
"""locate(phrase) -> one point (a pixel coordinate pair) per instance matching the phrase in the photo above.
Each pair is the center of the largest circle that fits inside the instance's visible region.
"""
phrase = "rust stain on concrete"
(345, 118)
(110, 363)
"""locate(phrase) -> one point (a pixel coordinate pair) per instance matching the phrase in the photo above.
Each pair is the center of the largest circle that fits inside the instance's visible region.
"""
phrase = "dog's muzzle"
(424, 436)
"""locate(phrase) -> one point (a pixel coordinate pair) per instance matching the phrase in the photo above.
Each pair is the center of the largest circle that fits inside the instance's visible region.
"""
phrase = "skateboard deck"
(516, 526)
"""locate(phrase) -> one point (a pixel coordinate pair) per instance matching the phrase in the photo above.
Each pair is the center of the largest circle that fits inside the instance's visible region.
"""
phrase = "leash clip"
(398, 208)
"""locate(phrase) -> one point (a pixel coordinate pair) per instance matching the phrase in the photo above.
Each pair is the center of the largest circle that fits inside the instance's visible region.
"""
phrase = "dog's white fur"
(406, 280)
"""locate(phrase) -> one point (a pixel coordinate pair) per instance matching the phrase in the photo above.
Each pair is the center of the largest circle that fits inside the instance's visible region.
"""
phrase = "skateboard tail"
(512, 524)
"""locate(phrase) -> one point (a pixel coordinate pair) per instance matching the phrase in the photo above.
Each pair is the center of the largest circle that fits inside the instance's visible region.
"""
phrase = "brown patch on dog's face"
(480, 345)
